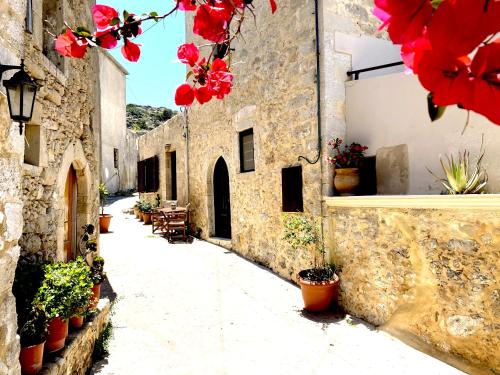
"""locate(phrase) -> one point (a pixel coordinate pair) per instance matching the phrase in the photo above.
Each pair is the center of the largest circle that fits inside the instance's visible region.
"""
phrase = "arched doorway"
(222, 204)
(70, 221)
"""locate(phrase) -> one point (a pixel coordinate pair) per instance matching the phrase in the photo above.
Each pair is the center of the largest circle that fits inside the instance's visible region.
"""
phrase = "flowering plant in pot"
(146, 209)
(104, 219)
(346, 160)
(319, 284)
(64, 288)
(31, 318)
(98, 276)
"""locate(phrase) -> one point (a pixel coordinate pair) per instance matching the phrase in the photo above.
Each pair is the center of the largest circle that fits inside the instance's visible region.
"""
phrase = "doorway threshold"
(219, 241)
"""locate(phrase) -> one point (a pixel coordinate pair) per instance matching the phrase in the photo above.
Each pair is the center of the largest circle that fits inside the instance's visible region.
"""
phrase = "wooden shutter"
(151, 174)
(141, 177)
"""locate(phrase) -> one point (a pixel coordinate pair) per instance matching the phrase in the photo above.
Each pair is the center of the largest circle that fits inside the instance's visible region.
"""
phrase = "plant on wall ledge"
(104, 219)
(318, 284)
(460, 176)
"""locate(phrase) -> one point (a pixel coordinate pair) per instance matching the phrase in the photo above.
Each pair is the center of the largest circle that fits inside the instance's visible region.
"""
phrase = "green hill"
(143, 118)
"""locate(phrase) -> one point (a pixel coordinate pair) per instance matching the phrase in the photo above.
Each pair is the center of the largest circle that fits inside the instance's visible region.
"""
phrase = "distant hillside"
(143, 118)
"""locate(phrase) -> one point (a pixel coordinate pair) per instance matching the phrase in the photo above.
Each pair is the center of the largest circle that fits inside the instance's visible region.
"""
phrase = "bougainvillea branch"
(217, 21)
(454, 48)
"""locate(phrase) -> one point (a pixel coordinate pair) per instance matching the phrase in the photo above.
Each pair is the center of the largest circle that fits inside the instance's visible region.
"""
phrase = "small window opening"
(291, 185)
(115, 157)
(32, 144)
(29, 16)
(52, 24)
(247, 162)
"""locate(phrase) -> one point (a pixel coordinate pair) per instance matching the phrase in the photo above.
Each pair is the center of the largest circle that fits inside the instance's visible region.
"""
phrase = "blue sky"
(154, 78)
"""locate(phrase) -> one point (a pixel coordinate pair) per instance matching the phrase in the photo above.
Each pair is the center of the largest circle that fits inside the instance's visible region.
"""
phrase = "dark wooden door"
(70, 196)
(173, 171)
(222, 204)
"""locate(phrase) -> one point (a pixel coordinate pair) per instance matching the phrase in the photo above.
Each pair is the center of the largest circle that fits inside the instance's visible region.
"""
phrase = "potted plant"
(146, 209)
(81, 293)
(140, 204)
(346, 162)
(319, 284)
(31, 319)
(63, 287)
(136, 209)
(98, 276)
(104, 219)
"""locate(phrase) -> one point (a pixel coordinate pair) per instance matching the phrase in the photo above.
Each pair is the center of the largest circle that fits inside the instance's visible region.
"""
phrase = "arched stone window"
(52, 19)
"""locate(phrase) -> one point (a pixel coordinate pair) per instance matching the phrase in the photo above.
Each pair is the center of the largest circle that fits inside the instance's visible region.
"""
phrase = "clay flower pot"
(76, 321)
(96, 295)
(58, 330)
(104, 221)
(318, 296)
(146, 217)
(31, 359)
(346, 180)
(136, 212)
(141, 216)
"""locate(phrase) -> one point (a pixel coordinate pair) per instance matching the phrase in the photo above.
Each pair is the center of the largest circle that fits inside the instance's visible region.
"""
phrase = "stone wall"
(67, 119)
(425, 269)
(11, 205)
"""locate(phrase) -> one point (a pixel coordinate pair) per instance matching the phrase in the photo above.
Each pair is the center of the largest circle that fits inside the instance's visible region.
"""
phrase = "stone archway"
(73, 157)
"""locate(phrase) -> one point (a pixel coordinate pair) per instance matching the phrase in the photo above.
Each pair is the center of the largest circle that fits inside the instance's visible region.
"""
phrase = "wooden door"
(222, 204)
(70, 196)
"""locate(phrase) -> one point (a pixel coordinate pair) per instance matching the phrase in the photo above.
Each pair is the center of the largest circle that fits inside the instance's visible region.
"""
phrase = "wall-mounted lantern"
(21, 93)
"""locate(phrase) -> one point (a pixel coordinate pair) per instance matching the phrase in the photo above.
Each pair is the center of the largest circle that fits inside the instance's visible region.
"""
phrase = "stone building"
(118, 144)
(48, 175)
(241, 163)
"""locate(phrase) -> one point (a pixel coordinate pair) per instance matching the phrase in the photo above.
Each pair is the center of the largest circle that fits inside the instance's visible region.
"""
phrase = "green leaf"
(435, 111)
(155, 15)
(115, 21)
(126, 15)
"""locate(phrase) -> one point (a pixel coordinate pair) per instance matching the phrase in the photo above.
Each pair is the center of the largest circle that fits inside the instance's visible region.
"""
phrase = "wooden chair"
(176, 225)
(159, 222)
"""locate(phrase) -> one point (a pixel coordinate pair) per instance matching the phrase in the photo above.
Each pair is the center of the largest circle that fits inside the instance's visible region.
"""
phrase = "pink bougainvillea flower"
(405, 20)
(203, 94)
(188, 53)
(273, 6)
(210, 23)
(102, 15)
(184, 95)
(459, 26)
(220, 80)
(412, 52)
(485, 70)
(131, 51)
(68, 45)
(106, 39)
(186, 5)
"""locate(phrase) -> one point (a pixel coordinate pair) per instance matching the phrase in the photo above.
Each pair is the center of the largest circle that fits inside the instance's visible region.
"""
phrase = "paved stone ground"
(199, 309)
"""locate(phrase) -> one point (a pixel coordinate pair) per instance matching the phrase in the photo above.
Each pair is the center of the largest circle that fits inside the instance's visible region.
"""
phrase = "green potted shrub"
(63, 288)
(319, 284)
(104, 219)
(146, 209)
(346, 160)
(31, 319)
(136, 209)
(98, 276)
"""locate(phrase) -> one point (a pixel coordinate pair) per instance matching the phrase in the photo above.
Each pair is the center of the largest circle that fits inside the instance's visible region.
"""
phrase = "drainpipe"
(318, 85)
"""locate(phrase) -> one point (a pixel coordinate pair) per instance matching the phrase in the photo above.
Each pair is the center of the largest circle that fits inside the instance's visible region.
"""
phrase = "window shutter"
(141, 181)
(156, 177)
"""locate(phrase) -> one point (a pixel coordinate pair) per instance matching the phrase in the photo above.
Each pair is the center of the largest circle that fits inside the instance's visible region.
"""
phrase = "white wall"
(392, 110)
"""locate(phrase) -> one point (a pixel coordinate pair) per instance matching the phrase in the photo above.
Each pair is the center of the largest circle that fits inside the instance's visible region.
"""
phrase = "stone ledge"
(473, 201)
(76, 357)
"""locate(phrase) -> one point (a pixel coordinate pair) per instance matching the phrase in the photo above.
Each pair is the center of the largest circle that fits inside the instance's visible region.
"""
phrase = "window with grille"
(247, 162)
(291, 186)
(148, 180)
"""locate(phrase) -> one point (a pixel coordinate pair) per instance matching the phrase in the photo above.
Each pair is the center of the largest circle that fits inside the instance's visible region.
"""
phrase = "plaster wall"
(391, 110)
(114, 133)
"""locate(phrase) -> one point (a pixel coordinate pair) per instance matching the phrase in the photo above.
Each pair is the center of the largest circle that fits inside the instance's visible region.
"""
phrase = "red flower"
(485, 95)
(102, 15)
(106, 39)
(406, 20)
(273, 6)
(69, 45)
(184, 95)
(186, 5)
(220, 81)
(203, 94)
(131, 51)
(210, 23)
(188, 54)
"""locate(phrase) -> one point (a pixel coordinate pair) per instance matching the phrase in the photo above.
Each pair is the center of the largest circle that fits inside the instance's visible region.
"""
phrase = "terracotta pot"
(318, 296)
(136, 212)
(96, 295)
(146, 217)
(58, 330)
(346, 180)
(141, 216)
(31, 359)
(104, 221)
(76, 321)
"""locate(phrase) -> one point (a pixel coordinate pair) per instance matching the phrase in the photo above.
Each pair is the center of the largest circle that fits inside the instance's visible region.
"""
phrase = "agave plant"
(461, 177)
